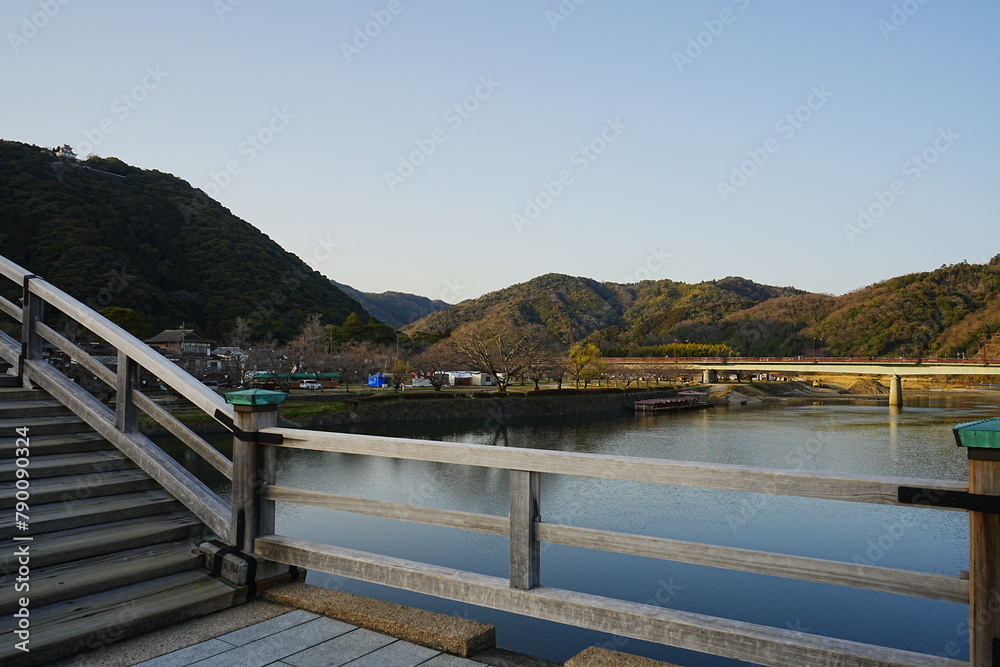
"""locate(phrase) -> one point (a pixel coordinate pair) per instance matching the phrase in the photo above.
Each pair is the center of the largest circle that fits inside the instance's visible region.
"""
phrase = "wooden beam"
(750, 642)
(171, 374)
(77, 354)
(12, 271)
(10, 349)
(171, 475)
(206, 451)
(525, 552)
(480, 523)
(253, 472)
(10, 308)
(902, 582)
(832, 486)
(127, 379)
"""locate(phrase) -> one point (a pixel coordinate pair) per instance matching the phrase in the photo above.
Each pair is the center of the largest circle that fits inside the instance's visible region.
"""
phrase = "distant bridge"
(895, 367)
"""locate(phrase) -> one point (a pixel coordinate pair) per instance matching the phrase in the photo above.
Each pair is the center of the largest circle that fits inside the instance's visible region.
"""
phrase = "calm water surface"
(850, 437)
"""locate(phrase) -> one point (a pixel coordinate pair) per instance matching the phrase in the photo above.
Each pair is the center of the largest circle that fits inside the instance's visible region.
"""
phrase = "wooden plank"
(10, 349)
(984, 562)
(74, 352)
(902, 582)
(480, 523)
(171, 475)
(12, 271)
(833, 486)
(253, 471)
(214, 457)
(11, 309)
(173, 375)
(739, 640)
(525, 552)
(127, 379)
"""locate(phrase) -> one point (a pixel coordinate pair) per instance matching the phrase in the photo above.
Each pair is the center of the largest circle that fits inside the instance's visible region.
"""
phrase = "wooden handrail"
(719, 476)
(201, 396)
(12, 271)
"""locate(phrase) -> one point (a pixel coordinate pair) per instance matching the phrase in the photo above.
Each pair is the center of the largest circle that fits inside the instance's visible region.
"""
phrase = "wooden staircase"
(112, 554)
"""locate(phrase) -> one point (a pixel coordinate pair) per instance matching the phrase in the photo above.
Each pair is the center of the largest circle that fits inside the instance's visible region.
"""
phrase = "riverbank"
(320, 411)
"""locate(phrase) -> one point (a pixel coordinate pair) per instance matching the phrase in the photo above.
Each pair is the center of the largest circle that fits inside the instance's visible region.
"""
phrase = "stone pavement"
(302, 639)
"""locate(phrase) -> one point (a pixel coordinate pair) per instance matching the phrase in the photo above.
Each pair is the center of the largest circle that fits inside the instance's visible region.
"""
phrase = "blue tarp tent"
(378, 380)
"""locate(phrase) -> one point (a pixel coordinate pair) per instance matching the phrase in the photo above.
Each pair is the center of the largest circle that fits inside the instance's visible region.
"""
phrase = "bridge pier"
(896, 390)
(709, 376)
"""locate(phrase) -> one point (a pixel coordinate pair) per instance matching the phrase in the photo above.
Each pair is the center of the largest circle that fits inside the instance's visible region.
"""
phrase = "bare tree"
(433, 362)
(305, 350)
(498, 347)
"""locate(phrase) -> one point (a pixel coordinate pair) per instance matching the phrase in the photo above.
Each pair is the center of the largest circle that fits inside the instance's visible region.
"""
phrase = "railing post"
(984, 561)
(253, 464)
(982, 442)
(31, 342)
(126, 414)
(524, 514)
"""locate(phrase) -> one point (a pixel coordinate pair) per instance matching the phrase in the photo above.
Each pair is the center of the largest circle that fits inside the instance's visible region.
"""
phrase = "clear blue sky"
(869, 84)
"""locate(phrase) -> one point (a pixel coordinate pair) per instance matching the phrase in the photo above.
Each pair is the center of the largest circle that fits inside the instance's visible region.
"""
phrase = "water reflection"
(857, 437)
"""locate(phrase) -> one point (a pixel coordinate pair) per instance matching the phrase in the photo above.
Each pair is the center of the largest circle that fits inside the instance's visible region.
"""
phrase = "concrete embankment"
(498, 409)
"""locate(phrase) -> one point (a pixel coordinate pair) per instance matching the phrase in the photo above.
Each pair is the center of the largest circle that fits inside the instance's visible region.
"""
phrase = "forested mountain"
(646, 313)
(115, 235)
(952, 310)
(397, 309)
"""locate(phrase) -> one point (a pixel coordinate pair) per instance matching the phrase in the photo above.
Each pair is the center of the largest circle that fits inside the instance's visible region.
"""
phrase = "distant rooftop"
(177, 336)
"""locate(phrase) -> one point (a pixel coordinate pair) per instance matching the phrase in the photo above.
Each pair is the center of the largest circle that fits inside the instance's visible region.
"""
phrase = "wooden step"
(21, 394)
(9, 380)
(57, 465)
(43, 426)
(59, 443)
(87, 542)
(94, 575)
(66, 628)
(90, 511)
(72, 487)
(20, 409)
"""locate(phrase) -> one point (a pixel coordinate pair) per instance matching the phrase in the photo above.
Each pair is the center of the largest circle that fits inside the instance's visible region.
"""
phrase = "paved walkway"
(303, 639)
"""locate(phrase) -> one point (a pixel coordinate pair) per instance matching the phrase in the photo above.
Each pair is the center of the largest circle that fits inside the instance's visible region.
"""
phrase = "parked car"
(311, 384)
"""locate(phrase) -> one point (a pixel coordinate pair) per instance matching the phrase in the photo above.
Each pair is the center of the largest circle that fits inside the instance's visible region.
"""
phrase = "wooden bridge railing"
(120, 427)
(523, 593)
(250, 521)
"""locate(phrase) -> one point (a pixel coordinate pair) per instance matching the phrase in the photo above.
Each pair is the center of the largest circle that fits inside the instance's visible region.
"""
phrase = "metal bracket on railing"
(258, 437)
(972, 502)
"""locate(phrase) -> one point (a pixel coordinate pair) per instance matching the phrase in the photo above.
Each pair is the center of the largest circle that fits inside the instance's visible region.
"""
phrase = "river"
(858, 437)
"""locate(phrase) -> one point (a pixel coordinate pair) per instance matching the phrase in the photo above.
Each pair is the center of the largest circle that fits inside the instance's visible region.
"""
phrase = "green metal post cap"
(256, 397)
(983, 433)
